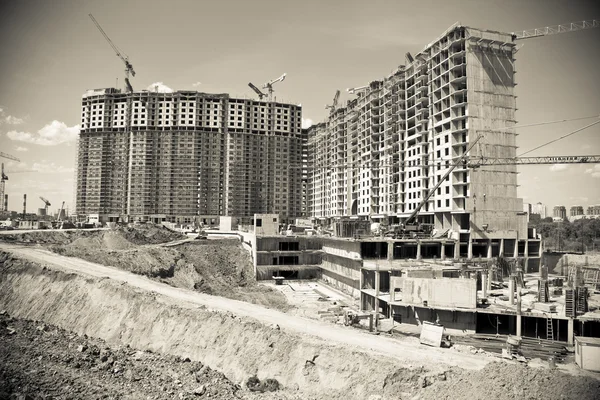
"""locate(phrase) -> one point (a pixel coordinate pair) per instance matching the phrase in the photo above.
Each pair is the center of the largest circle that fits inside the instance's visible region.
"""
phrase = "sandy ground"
(336, 335)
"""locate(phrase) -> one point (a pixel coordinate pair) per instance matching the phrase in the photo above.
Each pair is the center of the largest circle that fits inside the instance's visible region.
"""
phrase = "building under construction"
(380, 154)
(186, 155)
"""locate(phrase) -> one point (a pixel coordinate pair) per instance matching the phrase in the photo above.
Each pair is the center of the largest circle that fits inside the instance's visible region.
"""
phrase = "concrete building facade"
(379, 155)
(575, 211)
(559, 212)
(540, 209)
(177, 156)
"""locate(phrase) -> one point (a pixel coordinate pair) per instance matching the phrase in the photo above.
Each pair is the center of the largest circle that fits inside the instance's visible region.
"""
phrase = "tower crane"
(334, 103)
(555, 29)
(9, 157)
(3, 178)
(357, 89)
(269, 85)
(47, 204)
(257, 90)
(120, 54)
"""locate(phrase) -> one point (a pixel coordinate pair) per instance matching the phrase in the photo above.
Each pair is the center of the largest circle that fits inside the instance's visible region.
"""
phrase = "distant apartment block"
(559, 212)
(540, 209)
(378, 156)
(183, 155)
(575, 211)
(593, 210)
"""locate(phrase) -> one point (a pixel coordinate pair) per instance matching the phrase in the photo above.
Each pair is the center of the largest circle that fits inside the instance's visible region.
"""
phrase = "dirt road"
(332, 334)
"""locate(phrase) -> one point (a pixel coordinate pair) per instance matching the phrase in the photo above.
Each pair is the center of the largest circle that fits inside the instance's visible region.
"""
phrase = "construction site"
(219, 250)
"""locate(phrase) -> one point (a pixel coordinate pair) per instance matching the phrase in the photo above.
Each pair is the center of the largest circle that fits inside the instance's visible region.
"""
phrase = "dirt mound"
(65, 365)
(47, 237)
(507, 381)
(217, 267)
(148, 234)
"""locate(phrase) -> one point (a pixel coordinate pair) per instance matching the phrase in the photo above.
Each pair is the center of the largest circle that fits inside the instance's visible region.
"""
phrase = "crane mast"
(128, 67)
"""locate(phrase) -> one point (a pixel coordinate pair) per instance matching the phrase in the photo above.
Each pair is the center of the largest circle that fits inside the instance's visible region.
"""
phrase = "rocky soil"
(40, 361)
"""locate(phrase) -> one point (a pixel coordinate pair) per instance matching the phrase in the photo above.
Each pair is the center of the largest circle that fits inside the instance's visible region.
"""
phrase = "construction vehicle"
(120, 54)
(46, 204)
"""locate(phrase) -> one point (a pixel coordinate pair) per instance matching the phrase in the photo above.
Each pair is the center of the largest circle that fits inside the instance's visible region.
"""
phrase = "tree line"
(582, 235)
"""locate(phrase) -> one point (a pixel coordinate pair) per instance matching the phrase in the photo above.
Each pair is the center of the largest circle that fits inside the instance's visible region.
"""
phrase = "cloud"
(160, 88)
(595, 171)
(9, 119)
(558, 167)
(196, 84)
(20, 148)
(42, 167)
(306, 123)
(51, 168)
(52, 134)
(13, 120)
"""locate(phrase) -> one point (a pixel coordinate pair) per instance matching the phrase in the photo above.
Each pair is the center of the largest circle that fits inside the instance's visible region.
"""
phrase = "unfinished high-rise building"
(183, 155)
(380, 155)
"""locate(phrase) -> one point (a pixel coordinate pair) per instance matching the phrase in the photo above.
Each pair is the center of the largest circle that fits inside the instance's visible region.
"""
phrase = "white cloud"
(595, 171)
(20, 148)
(196, 84)
(558, 167)
(51, 168)
(42, 167)
(306, 123)
(52, 134)
(9, 119)
(160, 88)
(13, 120)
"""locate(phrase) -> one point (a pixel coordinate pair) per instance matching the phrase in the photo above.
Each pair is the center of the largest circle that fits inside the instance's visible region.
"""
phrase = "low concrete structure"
(587, 353)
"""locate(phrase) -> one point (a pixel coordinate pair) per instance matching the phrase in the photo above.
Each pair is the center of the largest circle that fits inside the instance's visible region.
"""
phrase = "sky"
(51, 53)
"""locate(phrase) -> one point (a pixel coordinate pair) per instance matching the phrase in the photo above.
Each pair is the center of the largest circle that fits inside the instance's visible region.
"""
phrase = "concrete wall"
(342, 248)
(453, 321)
(269, 224)
(444, 292)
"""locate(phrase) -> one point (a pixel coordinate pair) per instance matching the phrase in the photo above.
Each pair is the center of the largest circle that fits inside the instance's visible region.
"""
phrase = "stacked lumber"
(530, 347)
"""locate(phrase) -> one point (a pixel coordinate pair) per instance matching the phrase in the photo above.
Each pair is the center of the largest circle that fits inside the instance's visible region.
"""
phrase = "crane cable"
(560, 138)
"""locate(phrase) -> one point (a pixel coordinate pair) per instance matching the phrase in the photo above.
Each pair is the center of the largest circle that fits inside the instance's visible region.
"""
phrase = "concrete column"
(489, 281)
(419, 250)
(484, 283)
(526, 251)
(570, 335)
(377, 280)
(390, 252)
(516, 252)
(470, 249)
(518, 311)
(511, 290)
(443, 251)
(489, 249)
(457, 250)
(360, 287)
(501, 248)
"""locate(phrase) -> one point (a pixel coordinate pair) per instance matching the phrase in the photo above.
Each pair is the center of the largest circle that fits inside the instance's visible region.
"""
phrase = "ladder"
(570, 304)
(549, 328)
(543, 296)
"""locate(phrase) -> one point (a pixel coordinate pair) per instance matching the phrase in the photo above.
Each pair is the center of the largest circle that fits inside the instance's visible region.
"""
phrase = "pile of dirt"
(148, 234)
(218, 267)
(506, 381)
(41, 360)
(46, 237)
